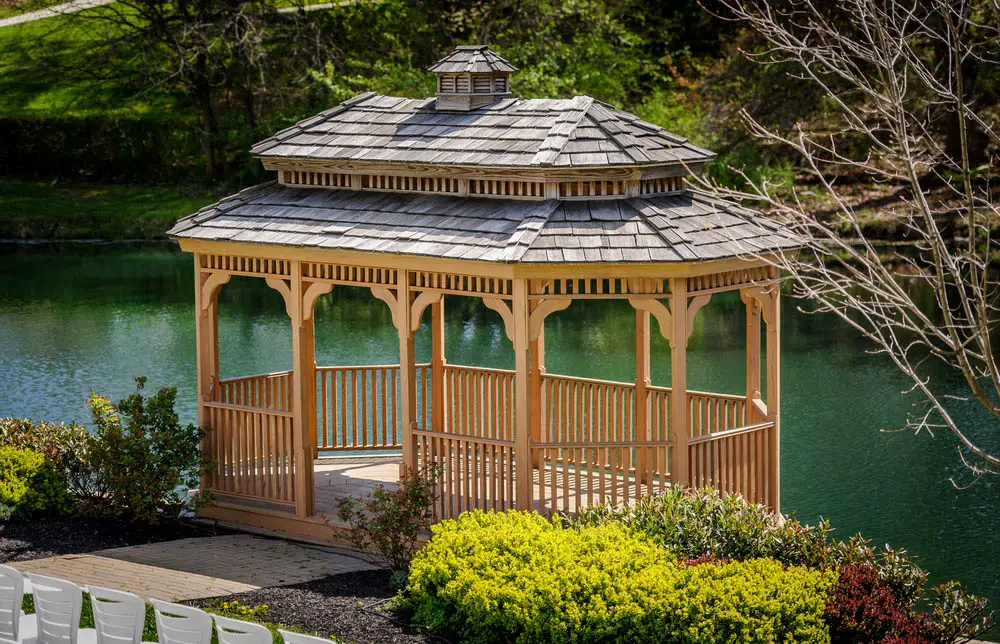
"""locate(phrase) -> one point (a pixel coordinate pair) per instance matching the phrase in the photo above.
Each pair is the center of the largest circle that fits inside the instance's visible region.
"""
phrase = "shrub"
(390, 524)
(142, 460)
(702, 524)
(864, 610)
(65, 445)
(516, 577)
(30, 485)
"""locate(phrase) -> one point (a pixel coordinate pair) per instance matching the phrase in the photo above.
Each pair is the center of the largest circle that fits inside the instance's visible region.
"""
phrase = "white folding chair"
(15, 626)
(119, 617)
(234, 631)
(299, 638)
(57, 606)
(179, 624)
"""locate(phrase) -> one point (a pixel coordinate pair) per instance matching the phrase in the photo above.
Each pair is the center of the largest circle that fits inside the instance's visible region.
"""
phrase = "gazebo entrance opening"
(585, 440)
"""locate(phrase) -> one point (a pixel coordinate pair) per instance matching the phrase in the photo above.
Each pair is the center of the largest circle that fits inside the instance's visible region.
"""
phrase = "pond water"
(76, 319)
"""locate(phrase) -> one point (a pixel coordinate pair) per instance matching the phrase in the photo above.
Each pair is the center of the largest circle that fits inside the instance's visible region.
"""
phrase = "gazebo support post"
(206, 302)
(303, 390)
(753, 356)
(642, 381)
(537, 349)
(773, 363)
(407, 371)
(679, 430)
(524, 472)
(437, 366)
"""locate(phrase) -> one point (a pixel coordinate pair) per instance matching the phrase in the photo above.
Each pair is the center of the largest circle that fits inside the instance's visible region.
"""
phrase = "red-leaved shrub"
(864, 610)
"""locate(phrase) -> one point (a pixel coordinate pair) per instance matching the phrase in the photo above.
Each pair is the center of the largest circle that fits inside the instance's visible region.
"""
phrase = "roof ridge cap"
(666, 240)
(558, 135)
(528, 237)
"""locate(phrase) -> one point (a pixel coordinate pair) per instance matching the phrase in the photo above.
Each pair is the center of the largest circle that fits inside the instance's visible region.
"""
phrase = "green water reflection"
(86, 318)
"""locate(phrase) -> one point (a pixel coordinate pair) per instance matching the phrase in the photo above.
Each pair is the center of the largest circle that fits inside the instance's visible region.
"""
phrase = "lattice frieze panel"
(590, 189)
(347, 274)
(316, 179)
(498, 188)
(461, 284)
(239, 264)
(730, 279)
(392, 183)
(659, 185)
(598, 287)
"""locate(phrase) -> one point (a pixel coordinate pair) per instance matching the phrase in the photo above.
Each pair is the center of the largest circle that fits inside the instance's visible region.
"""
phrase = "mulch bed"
(348, 606)
(20, 541)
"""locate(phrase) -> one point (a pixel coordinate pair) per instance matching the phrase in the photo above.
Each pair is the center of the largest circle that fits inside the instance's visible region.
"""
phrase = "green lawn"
(37, 210)
(9, 10)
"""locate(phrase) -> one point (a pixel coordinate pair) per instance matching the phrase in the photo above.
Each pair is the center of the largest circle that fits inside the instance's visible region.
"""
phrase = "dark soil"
(348, 606)
(20, 541)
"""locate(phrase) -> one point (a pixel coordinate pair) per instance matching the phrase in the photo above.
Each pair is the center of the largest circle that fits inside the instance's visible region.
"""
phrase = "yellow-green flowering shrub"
(30, 485)
(517, 577)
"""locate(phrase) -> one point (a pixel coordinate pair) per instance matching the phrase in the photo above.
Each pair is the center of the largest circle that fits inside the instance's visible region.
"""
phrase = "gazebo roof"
(683, 227)
(471, 59)
(536, 133)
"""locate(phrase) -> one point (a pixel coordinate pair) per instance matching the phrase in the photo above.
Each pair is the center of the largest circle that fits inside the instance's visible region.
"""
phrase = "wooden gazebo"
(528, 205)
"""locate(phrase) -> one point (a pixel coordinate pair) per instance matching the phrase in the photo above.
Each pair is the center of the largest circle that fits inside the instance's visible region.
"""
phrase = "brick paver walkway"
(200, 567)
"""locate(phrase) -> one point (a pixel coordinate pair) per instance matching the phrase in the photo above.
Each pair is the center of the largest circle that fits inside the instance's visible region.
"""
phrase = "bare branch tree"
(896, 73)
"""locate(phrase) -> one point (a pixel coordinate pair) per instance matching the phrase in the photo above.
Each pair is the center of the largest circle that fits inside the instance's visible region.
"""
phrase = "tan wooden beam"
(438, 363)
(303, 388)
(407, 372)
(522, 397)
(679, 429)
(773, 367)
(642, 382)
(752, 350)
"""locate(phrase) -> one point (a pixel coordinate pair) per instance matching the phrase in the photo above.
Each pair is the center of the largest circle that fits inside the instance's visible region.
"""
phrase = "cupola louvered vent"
(471, 77)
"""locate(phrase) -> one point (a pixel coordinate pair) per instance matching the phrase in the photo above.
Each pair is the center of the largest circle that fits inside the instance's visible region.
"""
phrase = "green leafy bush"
(30, 485)
(389, 524)
(142, 460)
(516, 577)
(702, 523)
(64, 445)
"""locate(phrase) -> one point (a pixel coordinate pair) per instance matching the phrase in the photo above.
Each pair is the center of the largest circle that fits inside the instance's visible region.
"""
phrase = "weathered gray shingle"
(689, 226)
(578, 132)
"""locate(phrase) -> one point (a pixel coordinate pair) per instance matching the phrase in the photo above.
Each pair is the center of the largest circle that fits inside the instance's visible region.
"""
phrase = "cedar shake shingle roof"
(471, 59)
(533, 133)
(687, 226)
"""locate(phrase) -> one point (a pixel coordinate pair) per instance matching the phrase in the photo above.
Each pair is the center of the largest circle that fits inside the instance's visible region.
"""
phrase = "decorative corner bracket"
(536, 319)
(387, 296)
(210, 288)
(764, 297)
(659, 311)
(503, 308)
(420, 304)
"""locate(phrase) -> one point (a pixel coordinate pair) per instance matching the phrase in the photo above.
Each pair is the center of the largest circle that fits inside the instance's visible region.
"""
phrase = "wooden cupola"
(470, 77)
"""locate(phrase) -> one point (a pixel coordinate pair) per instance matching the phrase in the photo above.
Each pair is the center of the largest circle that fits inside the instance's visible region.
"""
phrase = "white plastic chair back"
(57, 603)
(179, 624)
(234, 631)
(11, 595)
(299, 638)
(118, 616)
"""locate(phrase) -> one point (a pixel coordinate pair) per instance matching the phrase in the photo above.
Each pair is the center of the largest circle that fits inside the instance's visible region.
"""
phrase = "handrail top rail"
(586, 444)
(729, 433)
(463, 367)
(465, 437)
(270, 374)
(262, 410)
(367, 367)
(589, 381)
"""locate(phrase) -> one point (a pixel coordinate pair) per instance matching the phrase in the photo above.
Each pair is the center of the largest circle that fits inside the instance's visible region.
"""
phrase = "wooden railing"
(472, 472)
(252, 452)
(734, 461)
(479, 402)
(357, 408)
(572, 476)
(711, 413)
(267, 391)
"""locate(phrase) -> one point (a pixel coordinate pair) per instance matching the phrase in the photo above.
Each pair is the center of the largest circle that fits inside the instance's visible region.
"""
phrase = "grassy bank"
(36, 210)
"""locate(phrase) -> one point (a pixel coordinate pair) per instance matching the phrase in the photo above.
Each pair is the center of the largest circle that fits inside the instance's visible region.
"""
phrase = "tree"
(906, 85)
(241, 56)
